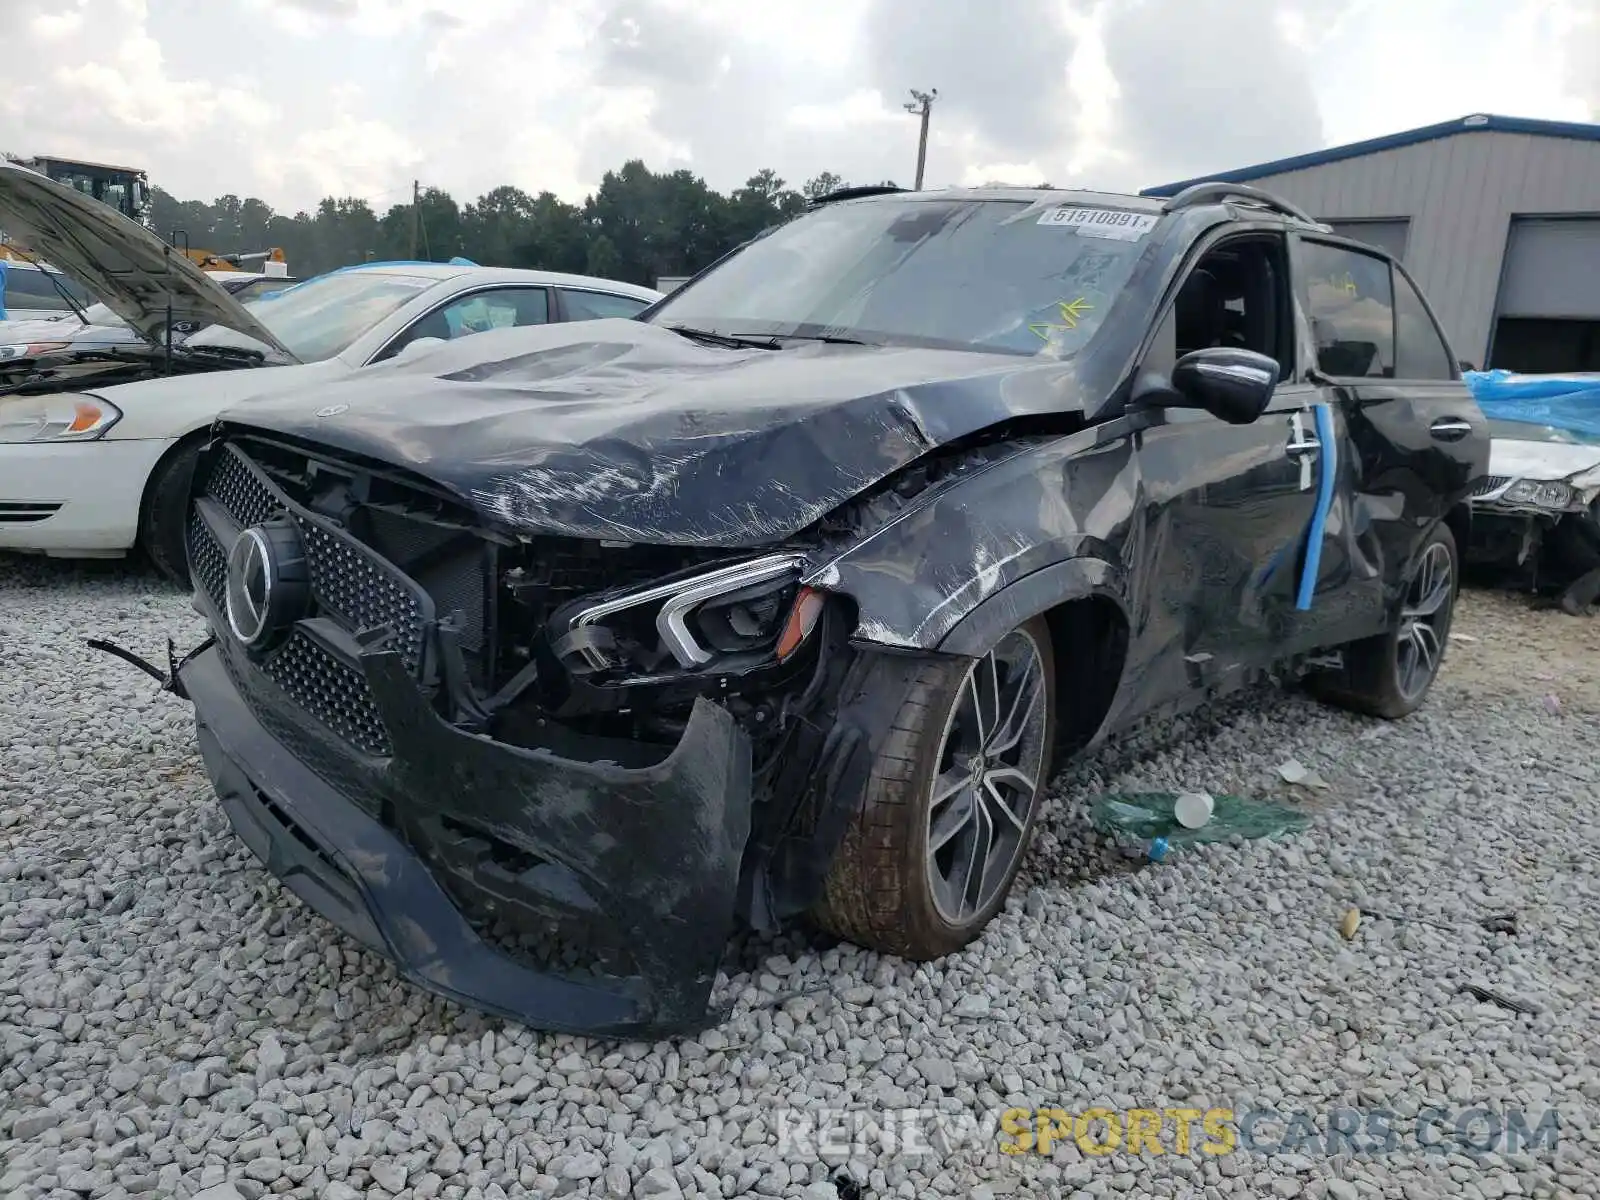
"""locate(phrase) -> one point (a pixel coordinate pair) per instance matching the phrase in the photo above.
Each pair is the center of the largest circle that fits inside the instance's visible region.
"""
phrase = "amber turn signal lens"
(802, 620)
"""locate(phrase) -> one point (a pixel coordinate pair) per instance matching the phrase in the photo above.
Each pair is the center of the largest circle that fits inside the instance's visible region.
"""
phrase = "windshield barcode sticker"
(1115, 223)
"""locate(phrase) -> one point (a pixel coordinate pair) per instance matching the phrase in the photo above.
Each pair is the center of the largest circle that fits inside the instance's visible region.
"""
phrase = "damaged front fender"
(919, 575)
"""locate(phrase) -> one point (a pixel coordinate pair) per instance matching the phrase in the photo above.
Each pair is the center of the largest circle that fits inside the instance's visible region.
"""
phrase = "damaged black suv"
(539, 660)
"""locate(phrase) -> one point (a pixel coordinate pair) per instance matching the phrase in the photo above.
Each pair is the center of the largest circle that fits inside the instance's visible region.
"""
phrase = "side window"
(31, 289)
(1420, 351)
(1236, 295)
(476, 312)
(593, 306)
(1350, 300)
(498, 309)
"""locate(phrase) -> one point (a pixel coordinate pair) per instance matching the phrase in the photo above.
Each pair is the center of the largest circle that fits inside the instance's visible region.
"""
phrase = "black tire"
(885, 889)
(165, 510)
(1383, 676)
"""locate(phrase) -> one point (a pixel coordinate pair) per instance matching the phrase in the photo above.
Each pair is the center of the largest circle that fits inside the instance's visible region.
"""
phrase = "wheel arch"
(1458, 519)
(187, 440)
(1083, 602)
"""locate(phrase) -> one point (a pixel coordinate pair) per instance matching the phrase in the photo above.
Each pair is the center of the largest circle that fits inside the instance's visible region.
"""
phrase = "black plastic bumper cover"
(653, 852)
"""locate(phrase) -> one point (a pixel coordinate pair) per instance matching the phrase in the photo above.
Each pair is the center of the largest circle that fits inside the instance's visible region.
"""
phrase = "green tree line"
(638, 226)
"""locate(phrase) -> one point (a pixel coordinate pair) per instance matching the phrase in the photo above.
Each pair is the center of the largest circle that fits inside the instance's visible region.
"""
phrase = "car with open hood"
(540, 660)
(95, 326)
(97, 441)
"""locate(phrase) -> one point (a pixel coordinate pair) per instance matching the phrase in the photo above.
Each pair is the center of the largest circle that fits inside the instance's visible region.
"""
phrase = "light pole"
(921, 104)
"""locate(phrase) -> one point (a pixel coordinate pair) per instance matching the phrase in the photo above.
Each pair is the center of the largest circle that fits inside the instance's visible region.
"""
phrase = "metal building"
(1497, 218)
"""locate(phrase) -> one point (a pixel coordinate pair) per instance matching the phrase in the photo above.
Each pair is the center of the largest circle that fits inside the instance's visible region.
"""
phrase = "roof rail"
(1216, 192)
(852, 193)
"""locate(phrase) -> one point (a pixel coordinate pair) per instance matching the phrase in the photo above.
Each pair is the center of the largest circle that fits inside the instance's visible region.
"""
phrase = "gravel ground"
(174, 1024)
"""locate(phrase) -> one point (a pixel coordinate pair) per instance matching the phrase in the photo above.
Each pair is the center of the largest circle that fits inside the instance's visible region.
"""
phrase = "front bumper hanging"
(397, 851)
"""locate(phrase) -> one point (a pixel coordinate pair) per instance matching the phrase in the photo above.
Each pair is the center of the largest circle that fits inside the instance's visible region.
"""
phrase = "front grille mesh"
(241, 493)
(349, 584)
(207, 561)
(357, 588)
(337, 695)
(1490, 485)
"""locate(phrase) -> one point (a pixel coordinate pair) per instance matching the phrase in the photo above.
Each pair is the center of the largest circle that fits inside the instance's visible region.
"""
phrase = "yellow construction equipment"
(127, 189)
(270, 262)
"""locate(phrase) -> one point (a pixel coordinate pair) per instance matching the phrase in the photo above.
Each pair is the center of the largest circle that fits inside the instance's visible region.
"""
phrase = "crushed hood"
(619, 430)
(134, 272)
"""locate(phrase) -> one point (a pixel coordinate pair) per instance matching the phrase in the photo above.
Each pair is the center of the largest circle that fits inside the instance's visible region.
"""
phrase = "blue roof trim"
(1477, 123)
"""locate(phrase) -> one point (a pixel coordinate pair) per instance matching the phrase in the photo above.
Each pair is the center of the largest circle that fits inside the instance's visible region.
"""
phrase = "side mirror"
(419, 346)
(1232, 385)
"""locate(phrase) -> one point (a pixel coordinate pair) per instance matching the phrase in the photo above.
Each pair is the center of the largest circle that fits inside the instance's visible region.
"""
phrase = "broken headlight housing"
(1550, 494)
(747, 612)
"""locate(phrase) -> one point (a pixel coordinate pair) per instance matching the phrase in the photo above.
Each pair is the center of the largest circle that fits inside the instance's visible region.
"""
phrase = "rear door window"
(1420, 350)
(594, 306)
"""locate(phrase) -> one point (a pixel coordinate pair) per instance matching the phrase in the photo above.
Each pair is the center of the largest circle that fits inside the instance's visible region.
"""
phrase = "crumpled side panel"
(915, 578)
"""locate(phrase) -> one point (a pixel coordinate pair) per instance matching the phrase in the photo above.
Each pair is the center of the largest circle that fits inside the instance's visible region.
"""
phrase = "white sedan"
(95, 469)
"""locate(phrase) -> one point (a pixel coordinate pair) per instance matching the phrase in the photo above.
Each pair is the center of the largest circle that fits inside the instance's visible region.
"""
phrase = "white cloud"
(50, 27)
(294, 99)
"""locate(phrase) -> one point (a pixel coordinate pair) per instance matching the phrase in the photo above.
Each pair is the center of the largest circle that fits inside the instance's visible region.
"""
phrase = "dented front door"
(1229, 510)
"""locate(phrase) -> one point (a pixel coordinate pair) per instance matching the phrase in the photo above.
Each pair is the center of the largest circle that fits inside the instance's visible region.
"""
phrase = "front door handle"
(1450, 429)
(1301, 441)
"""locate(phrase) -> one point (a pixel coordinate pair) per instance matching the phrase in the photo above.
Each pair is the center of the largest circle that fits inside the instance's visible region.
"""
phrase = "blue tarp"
(1570, 402)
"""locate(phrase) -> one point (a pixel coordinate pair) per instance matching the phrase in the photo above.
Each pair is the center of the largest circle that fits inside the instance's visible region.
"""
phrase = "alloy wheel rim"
(990, 760)
(1424, 621)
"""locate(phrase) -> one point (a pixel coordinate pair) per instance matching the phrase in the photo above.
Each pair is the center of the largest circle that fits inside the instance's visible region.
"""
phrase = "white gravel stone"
(658, 1181)
(170, 1017)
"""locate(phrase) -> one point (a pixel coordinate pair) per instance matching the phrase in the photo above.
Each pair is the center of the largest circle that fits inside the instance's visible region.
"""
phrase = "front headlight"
(58, 417)
(1540, 493)
(32, 350)
(756, 608)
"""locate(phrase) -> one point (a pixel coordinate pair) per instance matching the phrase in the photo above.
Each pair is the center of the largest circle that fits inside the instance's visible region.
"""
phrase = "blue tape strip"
(1327, 474)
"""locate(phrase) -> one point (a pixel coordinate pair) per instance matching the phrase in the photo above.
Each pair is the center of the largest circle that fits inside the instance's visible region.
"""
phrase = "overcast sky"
(291, 100)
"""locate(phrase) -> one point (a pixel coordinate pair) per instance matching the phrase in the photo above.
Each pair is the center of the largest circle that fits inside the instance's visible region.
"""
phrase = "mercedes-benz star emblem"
(267, 584)
(332, 410)
(250, 571)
